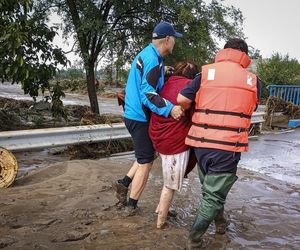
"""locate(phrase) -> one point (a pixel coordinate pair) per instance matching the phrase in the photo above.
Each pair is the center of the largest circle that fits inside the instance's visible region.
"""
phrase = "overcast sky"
(269, 25)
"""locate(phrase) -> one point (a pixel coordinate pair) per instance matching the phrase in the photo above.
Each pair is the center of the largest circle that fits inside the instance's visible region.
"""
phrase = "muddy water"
(70, 205)
(264, 213)
(35, 159)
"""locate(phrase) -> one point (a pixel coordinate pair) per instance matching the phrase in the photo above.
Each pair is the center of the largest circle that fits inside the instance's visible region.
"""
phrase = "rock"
(104, 232)
(72, 236)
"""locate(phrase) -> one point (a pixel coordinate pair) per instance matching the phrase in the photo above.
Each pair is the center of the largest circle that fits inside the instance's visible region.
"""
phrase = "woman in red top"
(168, 137)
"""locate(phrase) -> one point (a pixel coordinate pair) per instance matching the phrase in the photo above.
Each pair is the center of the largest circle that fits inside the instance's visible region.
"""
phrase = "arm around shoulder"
(187, 95)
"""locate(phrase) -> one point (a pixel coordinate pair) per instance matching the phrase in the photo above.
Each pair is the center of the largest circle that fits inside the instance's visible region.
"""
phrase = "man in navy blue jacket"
(145, 80)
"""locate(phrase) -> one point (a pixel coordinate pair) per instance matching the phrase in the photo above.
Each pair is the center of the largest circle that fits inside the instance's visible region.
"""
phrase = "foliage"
(70, 73)
(203, 25)
(26, 49)
(125, 27)
(73, 85)
(254, 53)
(278, 69)
(27, 55)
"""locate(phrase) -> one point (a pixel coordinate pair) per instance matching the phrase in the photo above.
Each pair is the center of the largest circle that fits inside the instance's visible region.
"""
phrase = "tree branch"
(77, 23)
(72, 49)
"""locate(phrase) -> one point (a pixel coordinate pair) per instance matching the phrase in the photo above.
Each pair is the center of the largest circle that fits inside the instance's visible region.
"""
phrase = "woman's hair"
(186, 69)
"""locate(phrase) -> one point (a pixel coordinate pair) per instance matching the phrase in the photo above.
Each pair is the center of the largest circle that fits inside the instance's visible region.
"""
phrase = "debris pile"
(90, 118)
(102, 149)
(275, 104)
(98, 150)
(24, 114)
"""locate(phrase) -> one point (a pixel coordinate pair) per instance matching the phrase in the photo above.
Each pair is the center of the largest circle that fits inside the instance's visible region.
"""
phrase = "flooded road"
(71, 205)
(74, 199)
(106, 105)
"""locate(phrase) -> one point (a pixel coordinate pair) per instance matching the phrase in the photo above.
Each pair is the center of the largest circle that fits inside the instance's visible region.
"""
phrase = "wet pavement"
(276, 154)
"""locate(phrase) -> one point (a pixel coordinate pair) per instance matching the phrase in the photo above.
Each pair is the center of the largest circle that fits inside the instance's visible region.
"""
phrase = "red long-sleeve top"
(167, 134)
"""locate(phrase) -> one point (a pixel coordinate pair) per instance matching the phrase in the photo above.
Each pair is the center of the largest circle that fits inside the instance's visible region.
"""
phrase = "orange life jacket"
(225, 102)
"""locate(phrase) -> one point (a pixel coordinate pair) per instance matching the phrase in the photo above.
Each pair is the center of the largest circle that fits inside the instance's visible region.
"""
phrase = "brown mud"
(71, 205)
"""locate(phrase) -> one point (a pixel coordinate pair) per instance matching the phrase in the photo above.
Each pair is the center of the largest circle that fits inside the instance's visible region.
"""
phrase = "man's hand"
(177, 112)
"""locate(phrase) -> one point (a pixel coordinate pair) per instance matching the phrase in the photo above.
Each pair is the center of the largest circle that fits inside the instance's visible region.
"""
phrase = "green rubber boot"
(199, 227)
(215, 189)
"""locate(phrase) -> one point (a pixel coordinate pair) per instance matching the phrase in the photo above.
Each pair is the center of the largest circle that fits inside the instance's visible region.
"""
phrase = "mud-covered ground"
(71, 205)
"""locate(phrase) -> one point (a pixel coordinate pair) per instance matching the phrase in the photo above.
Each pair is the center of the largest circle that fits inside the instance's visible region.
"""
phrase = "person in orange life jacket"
(225, 96)
(172, 149)
(145, 80)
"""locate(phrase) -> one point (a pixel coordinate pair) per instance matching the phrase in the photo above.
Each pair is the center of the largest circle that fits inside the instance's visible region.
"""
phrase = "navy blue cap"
(164, 29)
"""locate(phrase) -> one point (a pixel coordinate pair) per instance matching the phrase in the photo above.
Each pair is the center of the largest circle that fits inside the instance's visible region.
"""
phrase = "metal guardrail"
(55, 137)
(257, 117)
(289, 93)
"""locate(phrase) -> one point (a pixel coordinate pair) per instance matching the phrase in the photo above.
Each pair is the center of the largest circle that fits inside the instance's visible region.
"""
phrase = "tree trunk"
(117, 75)
(90, 79)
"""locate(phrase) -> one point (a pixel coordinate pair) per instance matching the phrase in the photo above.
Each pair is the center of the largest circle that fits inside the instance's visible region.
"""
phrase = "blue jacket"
(145, 80)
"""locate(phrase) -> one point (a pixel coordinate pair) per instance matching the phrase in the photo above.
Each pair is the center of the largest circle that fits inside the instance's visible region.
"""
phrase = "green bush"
(278, 70)
(57, 107)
